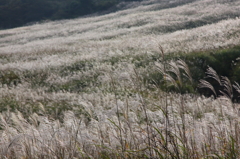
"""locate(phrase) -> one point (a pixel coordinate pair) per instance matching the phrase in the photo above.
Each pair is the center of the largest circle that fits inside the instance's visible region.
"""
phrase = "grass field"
(101, 86)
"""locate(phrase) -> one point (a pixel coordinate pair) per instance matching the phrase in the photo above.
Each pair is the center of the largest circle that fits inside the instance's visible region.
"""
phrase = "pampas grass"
(84, 88)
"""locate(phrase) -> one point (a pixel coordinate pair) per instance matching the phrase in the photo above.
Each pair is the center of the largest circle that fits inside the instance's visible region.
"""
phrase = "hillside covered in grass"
(15, 13)
(157, 79)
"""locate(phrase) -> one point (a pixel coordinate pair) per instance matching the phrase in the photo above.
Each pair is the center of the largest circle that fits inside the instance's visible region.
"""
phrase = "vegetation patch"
(9, 78)
(79, 66)
(224, 61)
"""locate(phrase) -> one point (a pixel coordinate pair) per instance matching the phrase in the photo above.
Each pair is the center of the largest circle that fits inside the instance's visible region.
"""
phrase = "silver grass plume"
(181, 64)
(161, 51)
(227, 87)
(237, 87)
(3, 122)
(206, 84)
(211, 73)
(18, 124)
(166, 76)
(175, 69)
(171, 81)
(160, 67)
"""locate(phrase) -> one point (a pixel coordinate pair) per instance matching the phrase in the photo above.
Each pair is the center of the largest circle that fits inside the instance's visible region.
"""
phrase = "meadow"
(114, 85)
